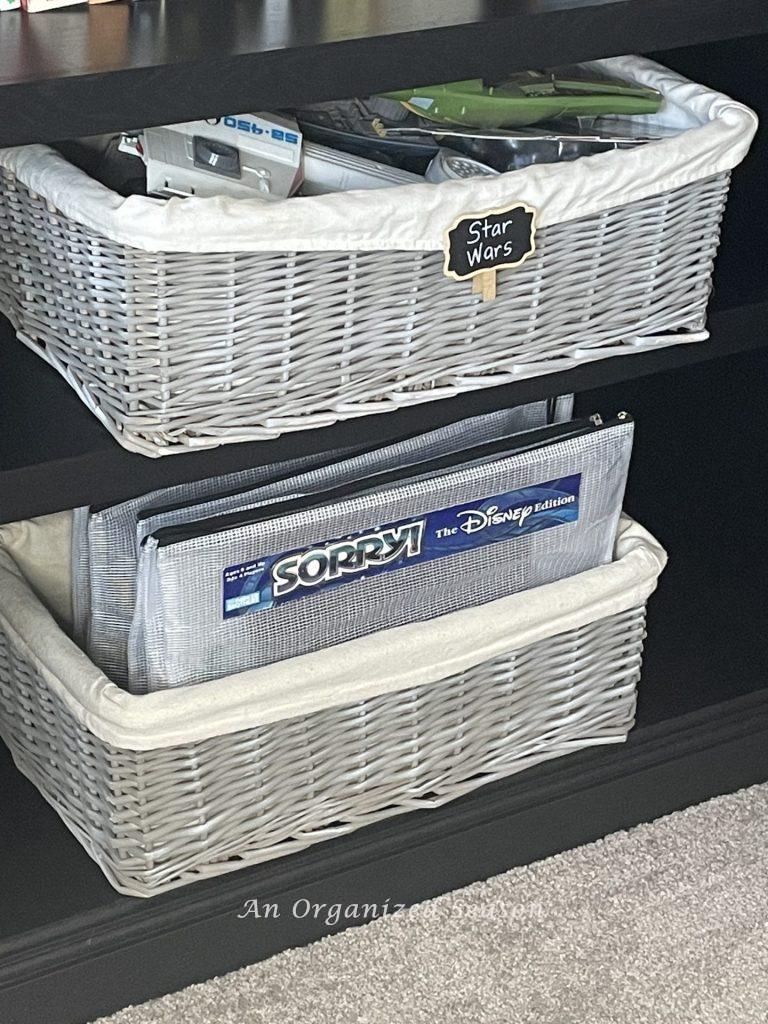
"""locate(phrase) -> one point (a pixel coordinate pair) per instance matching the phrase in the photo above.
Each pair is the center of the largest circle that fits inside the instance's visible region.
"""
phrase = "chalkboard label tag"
(482, 243)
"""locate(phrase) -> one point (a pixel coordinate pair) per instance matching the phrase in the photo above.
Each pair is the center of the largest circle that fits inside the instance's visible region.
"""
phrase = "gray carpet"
(666, 924)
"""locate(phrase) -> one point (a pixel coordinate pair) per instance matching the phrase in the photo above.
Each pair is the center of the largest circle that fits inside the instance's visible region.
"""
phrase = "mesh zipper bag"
(444, 440)
(104, 560)
(114, 535)
(188, 628)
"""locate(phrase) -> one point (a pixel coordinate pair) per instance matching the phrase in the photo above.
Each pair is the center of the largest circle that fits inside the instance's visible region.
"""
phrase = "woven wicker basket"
(203, 321)
(211, 798)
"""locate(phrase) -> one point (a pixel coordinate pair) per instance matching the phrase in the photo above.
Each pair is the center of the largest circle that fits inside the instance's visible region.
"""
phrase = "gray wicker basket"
(173, 350)
(155, 816)
(199, 322)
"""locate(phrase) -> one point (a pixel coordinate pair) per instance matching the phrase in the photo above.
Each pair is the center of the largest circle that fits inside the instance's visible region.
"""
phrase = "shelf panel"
(83, 71)
(54, 454)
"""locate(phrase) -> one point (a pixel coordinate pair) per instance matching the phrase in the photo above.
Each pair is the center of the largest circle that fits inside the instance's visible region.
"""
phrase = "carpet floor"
(664, 924)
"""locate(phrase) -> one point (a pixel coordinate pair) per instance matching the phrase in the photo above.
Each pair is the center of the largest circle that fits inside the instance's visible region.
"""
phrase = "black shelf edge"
(55, 455)
(84, 71)
(132, 950)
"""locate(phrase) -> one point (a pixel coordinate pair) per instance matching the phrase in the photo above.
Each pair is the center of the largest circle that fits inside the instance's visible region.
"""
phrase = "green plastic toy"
(527, 98)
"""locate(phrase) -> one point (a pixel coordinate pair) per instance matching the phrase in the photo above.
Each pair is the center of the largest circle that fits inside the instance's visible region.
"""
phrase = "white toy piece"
(329, 170)
(242, 155)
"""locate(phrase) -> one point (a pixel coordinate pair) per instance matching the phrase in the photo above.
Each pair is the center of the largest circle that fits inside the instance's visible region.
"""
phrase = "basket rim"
(385, 662)
(715, 134)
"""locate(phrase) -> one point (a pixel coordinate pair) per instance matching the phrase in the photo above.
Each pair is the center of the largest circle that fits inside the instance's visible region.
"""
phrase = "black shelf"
(72, 949)
(54, 454)
(84, 71)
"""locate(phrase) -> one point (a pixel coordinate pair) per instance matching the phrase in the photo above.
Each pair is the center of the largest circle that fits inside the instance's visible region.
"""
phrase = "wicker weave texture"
(173, 350)
(159, 819)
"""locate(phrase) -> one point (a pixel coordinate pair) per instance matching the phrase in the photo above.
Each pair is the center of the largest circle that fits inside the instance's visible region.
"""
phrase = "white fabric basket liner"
(396, 659)
(715, 135)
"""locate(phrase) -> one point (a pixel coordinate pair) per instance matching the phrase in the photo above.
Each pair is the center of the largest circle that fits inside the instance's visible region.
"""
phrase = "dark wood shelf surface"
(54, 454)
(81, 71)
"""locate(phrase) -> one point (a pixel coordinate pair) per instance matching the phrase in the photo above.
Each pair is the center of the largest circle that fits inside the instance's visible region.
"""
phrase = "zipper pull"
(596, 420)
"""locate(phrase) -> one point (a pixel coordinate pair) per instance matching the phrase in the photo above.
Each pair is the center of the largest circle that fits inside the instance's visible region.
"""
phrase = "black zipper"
(490, 451)
(351, 452)
(344, 454)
